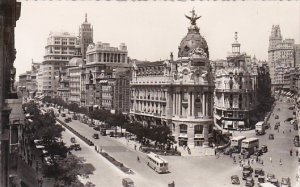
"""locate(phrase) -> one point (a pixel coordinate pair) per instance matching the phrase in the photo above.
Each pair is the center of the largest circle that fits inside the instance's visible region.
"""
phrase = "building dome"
(193, 40)
(75, 61)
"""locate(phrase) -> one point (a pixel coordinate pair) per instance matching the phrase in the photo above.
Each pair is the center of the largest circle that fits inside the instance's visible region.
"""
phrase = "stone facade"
(235, 91)
(10, 13)
(178, 93)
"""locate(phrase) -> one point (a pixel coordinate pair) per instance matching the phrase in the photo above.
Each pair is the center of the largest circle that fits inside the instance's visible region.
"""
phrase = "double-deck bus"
(236, 143)
(260, 128)
(157, 163)
(249, 146)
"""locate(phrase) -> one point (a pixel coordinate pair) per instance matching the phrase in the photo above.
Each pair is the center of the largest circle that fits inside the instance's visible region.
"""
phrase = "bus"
(236, 143)
(157, 163)
(260, 128)
(249, 146)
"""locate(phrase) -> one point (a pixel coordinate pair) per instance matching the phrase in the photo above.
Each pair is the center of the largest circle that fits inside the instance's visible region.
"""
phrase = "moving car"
(235, 179)
(270, 176)
(259, 172)
(296, 138)
(260, 179)
(127, 182)
(73, 140)
(96, 136)
(63, 115)
(247, 171)
(249, 181)
(77, 147)
(264, 148)
(67, 120)
(271, 136)
(285, 182)
(274, 182)
(276, 117)
(258, 152)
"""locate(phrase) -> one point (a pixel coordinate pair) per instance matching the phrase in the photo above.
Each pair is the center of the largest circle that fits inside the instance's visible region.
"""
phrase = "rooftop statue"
(194, 17)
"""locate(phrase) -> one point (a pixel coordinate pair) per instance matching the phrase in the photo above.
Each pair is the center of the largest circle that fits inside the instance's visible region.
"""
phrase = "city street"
(196, 168)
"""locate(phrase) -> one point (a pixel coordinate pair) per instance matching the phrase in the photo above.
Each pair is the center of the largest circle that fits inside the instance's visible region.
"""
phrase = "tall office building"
(280, 54)
(59, 50)
(85, 36)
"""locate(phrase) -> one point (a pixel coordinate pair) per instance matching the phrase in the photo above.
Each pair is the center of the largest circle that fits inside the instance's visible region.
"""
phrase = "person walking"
(297, 152)
(280, 163)
(297, 177)
(271, 159)
(291, 152)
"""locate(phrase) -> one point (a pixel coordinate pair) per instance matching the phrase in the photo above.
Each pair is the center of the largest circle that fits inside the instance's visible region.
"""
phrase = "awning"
(241, 123)
(95, 106)
(218, 117)
(40, 147)
(183, 135)
(227, 123)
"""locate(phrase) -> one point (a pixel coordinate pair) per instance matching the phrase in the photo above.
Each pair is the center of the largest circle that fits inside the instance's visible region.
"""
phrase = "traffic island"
(112, 160)
(83, 138)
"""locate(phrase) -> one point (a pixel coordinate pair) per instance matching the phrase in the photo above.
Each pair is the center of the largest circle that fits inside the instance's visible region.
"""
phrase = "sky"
(151, 30)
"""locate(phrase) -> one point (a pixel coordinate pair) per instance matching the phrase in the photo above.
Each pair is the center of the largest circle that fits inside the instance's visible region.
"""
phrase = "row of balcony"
(234, 90)
(150, 98)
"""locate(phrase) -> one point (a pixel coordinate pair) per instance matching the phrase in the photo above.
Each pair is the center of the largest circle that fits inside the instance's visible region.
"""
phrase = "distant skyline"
(151, 30)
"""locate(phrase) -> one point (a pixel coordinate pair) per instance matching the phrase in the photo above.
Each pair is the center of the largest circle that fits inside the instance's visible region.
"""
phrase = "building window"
(198, 129)
(183, 128)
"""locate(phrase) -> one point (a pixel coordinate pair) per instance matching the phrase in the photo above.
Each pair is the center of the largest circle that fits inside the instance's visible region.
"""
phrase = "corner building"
(178, 93)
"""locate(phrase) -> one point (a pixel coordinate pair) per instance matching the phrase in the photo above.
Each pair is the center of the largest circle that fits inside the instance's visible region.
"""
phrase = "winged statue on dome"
(194, 17)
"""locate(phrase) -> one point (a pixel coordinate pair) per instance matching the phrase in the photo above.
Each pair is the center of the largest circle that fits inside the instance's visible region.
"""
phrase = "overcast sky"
(152, 30)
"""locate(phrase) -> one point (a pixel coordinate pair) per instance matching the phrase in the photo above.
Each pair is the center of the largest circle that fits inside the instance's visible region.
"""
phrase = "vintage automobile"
(271, 136)
(259, 172)
(285, 182)
(270, 176)
(67, 120)
(260, 179)
(264, 148)
(127, 182)
(276, 117)
(77, 147)
(274, 182)
(96, 136)
(63, 115)
(73, 140)
(235, 179)
(258, 152)
(249, 181)
(296, 138)
(247, 171)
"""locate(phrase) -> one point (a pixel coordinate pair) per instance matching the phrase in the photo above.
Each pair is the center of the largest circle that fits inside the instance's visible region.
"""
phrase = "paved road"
(105, 174)
(197, 171)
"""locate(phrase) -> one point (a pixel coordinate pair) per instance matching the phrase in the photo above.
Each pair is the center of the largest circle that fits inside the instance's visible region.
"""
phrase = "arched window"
(183, 128)
(198, 129)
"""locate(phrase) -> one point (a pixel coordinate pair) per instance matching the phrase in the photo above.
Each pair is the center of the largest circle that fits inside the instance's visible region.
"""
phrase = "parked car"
(63, 115)
(276, 117)
(97, 128)
(259, 172)
(285, 182)
(264, 148)
(127, 182)
(296, 127)
(297, 144)
(74, 117)
(277, 123)
(249, 181)
(271, 136)
(235, 179)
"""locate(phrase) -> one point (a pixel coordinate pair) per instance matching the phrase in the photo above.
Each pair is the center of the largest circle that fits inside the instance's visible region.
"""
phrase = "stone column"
(174, 103)
(189, 105)
(203, 104)
(193, 104)
(191, 135)
(205, 135)
(206, 104)
(180, 105)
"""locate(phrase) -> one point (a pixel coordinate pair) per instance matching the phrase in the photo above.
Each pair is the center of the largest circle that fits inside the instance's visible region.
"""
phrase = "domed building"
(177, 93)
